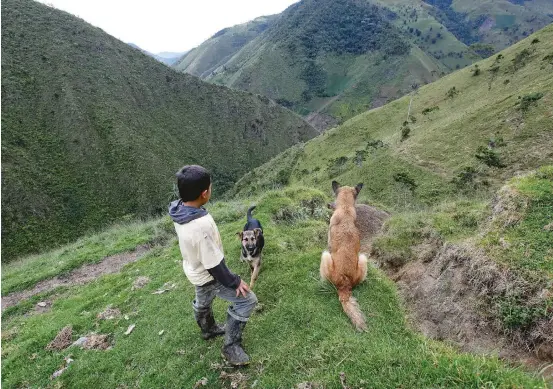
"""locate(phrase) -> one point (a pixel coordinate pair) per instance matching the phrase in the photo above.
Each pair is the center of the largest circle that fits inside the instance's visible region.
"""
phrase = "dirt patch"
(140, 282)
(62, 339)
(321, 121)
(80, 276)
(450, 291)
(109, 314)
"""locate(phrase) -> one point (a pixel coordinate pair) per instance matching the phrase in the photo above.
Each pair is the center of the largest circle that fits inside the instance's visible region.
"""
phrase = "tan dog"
(343, 266)
(369, 221)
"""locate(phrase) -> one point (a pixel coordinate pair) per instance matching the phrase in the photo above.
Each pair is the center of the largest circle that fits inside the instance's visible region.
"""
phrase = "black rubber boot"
(206, 321)
(232, 349)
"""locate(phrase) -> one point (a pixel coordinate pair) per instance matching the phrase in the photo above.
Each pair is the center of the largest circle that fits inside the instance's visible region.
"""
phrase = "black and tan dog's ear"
(335, 186)
(257, 232)
(331, 206)
(240, 235)
(358, 188)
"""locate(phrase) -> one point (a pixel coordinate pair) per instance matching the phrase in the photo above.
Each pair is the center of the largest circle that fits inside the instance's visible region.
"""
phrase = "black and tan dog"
(252, 244)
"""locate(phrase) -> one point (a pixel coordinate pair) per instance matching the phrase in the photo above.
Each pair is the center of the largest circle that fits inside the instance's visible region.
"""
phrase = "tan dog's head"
(346, 194)
(249, 238)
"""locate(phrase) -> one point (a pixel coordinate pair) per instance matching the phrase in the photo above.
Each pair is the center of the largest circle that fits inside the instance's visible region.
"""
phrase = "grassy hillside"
(298, 338)
(332, 60)
(446, 175)
(216, 51)
(467, 133)
(93, 130)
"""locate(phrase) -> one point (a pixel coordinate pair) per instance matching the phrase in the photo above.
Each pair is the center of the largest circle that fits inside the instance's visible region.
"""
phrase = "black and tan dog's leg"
(256, 266)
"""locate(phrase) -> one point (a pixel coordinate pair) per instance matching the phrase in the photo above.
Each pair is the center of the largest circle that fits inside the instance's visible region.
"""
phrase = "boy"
(204, 264)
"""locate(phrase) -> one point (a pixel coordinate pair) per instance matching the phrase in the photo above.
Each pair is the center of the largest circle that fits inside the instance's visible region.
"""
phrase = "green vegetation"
(521, 233)
(334, 57)
(440, 143)
(204, 60)
(27, 272)
(435, 184)
(94, 130)
(299, 334)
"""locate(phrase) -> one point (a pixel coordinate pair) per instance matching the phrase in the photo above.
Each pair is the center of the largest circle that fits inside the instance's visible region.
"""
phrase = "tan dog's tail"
(351, 308)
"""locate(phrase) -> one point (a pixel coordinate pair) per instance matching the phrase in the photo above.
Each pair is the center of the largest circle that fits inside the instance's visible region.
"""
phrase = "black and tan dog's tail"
(249, 214)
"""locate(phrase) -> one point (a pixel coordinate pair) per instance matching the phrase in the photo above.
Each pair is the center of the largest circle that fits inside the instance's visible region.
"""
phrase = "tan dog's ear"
(257, 232)
(335, 186)
(240, 234)
(358, 188)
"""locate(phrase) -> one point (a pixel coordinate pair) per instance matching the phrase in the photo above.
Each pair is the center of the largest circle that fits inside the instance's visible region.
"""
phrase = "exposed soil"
(448, 291)
(321, 121)
(62, 339)
(80, 276)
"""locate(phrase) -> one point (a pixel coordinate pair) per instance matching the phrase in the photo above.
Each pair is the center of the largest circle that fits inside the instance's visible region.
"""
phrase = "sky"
(167, 25)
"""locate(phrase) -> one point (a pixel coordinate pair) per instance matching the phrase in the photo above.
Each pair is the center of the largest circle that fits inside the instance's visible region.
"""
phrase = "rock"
(130, 329)
(42, 304)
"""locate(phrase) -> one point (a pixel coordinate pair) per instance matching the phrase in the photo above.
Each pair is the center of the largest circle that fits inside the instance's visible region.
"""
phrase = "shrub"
(452, 92)
(465, 177)
(336, 166)
(475, 71)
(375, 144)
(520, 59)
(489, 157)
(405, 131)
(527, 101)
(535, 40)
(426, 111)
(360, 157)
(406, 180)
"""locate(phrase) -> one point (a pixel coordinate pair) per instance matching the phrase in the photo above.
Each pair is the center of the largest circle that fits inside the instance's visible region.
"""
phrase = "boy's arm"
(222, 274)
(213, 260)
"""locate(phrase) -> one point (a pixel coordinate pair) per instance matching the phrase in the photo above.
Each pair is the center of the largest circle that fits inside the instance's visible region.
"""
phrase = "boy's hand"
(243, 289)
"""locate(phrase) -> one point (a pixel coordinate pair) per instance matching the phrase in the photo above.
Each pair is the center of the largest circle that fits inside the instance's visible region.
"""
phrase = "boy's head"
(194, 183)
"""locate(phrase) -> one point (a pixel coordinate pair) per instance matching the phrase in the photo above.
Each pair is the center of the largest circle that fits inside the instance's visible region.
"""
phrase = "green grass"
(528, 243)
(300, 335)
(94, 130)
(26, 272)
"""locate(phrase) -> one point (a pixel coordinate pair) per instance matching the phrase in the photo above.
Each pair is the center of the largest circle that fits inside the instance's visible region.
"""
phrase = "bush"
(452, 92)
(336, 166)
(375, 144)
(489, 157)
(405, 131)
(465, 178)
(527, 101)
(360, 157)
(406, 180)
(475, 71)
(520, 59)
(426, 111)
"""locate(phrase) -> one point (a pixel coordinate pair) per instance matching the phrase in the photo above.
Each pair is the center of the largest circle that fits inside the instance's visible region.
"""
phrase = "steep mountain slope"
(331, 60)
(470, 130)
(216, 51)
(93, 130)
